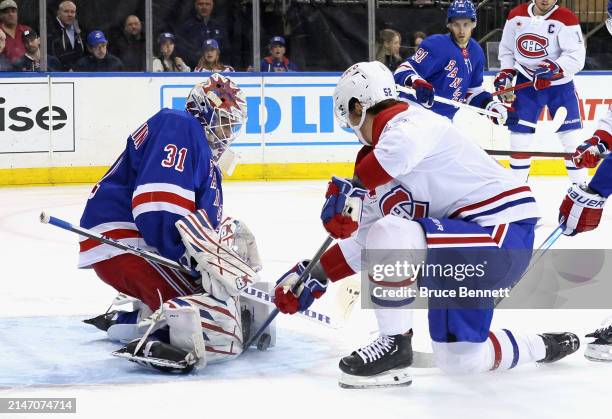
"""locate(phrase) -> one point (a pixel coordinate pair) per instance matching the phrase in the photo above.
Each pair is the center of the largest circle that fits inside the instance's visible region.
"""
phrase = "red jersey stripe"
(160, 196)
(490, 200)
(459, 240)
(117, 234)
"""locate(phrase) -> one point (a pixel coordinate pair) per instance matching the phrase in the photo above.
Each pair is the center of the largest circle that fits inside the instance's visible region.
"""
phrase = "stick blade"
(44, 217)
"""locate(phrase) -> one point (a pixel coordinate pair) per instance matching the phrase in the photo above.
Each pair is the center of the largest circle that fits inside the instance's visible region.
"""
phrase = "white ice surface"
(45, 351)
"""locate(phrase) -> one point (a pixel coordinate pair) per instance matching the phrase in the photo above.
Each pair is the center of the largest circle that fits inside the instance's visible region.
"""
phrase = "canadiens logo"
(398, 201)
(530, 45)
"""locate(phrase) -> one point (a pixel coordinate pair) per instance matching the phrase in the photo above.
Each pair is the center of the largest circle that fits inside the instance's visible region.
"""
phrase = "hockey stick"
(462, 105)
(550, 240)
(145, 254)
(529, 153)
(295, 287)
(522, 86)
(247, 292)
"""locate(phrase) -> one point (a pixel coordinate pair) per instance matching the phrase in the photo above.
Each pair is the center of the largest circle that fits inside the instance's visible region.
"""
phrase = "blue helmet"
(461, 9)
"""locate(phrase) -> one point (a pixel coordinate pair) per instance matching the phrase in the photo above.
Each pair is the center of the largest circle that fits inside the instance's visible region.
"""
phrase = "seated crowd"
(200, 44)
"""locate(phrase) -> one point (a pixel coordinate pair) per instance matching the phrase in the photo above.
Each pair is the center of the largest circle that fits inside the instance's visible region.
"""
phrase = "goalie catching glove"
(289, 301)
(224, 272)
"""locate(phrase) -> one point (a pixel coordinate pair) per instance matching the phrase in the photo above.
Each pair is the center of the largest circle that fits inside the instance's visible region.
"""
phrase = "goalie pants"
(141, 278)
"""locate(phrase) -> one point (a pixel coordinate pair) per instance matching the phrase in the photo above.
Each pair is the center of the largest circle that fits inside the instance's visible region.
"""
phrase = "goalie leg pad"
(220, 324)
(185, 330)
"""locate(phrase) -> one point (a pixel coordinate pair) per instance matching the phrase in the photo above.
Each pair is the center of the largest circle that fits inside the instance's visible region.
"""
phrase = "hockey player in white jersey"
(427, 187)
(542, 42)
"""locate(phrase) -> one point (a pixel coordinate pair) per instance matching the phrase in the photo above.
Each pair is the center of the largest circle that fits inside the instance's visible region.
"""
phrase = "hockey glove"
(224, 272)
(581, 210)
(342, 209)
(590, 152)
(424, 92)
(546, 70)
(289, 301)
(507, 115)
(237, 236)
(504, 80)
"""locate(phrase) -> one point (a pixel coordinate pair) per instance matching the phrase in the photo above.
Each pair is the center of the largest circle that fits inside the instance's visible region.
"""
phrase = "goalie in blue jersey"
(164, 194)
(452, 66)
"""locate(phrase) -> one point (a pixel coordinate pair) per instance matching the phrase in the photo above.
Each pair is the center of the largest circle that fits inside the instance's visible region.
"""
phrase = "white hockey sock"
(394, 321)
(520, 164)
(508, 350)
(570, 140)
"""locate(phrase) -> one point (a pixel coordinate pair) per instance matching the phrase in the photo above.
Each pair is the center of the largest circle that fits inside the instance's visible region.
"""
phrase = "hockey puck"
(264, 342)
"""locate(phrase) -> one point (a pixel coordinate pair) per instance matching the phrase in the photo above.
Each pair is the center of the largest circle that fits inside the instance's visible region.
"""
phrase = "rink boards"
(290, 133)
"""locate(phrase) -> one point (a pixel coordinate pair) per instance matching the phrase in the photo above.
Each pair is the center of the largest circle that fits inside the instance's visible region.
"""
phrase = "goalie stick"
(421, 359)
(295, 287)
(247, 292)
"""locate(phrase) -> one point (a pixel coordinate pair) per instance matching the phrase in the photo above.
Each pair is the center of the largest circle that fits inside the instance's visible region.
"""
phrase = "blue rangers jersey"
(165, 172)
(456, 73)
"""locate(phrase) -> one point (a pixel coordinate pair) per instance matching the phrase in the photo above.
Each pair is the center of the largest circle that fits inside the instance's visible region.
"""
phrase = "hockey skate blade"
(165, 365)
(598, 353)
(393, 378)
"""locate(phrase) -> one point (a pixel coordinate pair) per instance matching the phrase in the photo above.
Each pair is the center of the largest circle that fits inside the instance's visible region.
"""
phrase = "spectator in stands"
(210, 59)
(5, 63)
(277, 61)
(388, 51)
(418, 38)
(9, 23)
(30, 61)
(98, 59)
(166, 59)
(130, 46)
(198, 28)
(64, 36)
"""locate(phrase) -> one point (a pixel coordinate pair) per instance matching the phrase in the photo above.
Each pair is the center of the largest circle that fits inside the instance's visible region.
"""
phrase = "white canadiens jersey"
(528, 40)
(605, 123)
(436, 172)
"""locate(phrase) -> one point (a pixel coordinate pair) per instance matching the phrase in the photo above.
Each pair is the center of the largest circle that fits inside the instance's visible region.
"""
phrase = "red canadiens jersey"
(165, 172)
(528, 40)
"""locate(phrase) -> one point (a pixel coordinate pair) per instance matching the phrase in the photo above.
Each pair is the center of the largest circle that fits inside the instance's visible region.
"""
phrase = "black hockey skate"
(158, 355)
(600, 349)
(380, 364)
(559, 345)
(103, 321)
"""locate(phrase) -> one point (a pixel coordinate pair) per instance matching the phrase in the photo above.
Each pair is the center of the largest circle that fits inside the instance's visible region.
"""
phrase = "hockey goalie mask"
(220, 107)
(368, 82)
